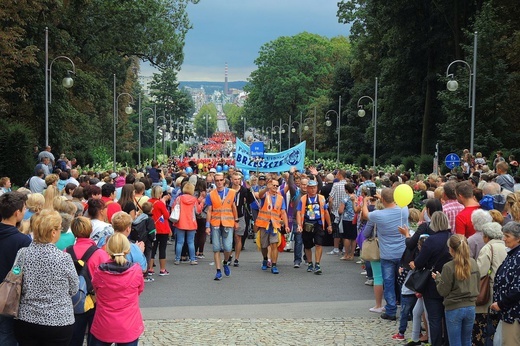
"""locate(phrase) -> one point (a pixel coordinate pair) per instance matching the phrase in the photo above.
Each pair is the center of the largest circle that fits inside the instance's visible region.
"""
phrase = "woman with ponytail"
(458, 283)
(118, 284)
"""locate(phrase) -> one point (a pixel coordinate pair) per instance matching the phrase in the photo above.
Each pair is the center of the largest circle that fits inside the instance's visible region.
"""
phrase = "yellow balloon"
(201, 166)
(403, 195)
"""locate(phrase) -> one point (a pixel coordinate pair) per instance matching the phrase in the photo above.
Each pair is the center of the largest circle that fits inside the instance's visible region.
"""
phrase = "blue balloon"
(189, 170)
(226, 168)
(219, 168)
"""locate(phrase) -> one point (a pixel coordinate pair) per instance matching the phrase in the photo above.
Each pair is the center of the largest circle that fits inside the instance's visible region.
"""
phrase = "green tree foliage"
(14, 141)
(199, 122)
(234, 115)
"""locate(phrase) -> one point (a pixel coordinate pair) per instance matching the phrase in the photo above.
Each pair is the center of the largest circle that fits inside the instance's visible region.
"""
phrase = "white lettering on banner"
(277, 162)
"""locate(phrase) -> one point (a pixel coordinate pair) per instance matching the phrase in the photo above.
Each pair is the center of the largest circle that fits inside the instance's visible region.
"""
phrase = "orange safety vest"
(321, 202)
(268, 213)
(222, 210)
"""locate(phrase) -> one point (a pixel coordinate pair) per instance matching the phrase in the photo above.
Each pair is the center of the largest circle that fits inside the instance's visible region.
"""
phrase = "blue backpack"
(84, 300)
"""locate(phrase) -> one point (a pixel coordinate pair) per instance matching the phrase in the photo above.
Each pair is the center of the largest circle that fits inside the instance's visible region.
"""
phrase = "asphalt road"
(190, 291)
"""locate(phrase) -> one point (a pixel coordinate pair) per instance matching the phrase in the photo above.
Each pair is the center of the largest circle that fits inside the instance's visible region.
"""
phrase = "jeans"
(460, 325)
(389, 269)
(82, 322)
(417, 315)
(298, 244)
(407, 305)
(96, 342)
(224, 233)
(6, 331)
(190, 239)
(368, 268)
(435, 310)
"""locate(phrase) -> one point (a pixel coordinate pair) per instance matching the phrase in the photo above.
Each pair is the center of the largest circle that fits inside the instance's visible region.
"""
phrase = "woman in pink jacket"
(118, 284)
(186, 227)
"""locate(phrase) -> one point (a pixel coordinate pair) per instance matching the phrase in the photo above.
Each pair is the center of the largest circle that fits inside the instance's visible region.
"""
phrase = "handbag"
(175, 215)
(370, 249)
(418, 281)
(11, 288)
(485, 290)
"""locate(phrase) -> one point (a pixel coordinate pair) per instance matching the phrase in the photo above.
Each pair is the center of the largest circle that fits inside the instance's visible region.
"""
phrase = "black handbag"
(418, 281)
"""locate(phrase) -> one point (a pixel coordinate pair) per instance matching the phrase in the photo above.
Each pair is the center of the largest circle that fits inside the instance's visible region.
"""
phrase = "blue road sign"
(257, 149)
(452, 160)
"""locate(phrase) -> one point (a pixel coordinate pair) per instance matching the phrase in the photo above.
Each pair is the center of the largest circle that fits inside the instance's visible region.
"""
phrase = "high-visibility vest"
(222, 210)
(269, 213)
(321, 202)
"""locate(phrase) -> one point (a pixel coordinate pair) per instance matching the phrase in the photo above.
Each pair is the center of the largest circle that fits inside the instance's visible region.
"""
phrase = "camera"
(371, 191)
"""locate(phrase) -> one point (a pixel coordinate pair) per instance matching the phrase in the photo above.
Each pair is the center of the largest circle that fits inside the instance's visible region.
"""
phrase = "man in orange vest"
(269, 222)
(221, 220)
(312, 217)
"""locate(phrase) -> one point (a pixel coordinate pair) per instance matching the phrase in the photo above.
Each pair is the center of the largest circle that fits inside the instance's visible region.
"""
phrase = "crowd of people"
(464, 228)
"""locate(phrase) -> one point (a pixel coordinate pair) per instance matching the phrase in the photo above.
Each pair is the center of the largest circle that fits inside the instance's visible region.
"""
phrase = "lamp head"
(282, 130)
(293, 130)
(67, 82)
(328, 122)
(452, 85)
(129, 109)
(150, 120)
(361, 113)
(306, 127)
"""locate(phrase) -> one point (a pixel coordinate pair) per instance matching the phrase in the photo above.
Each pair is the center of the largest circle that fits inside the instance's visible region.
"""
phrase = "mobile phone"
(372, 191)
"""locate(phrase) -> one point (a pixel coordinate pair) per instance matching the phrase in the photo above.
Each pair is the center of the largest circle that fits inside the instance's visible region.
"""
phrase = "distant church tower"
(226, 81)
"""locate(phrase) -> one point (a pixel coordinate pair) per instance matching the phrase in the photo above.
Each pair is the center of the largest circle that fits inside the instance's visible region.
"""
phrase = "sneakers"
(235, 264)
(177, 262)
(194, 263)
(200, 256)
(364, 272)
(269, 263)
(218, 276)
(274, 270)
(413, 343)
(384, 316)
(296, 265)
(164, 272)
(398, 336)
(264, 265)
(151, 272)
(310, 268)
(317, 269)
(333, 252)
(369, 282)
(227, 271)
(377, 310)
(148, 279)
(360, 261)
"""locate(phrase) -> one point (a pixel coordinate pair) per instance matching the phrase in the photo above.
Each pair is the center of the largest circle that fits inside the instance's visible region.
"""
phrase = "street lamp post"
(293, 129)
(67, 82)
(128, 110)
(361, 114)
(207, 115)
(452, 85)
(275, 128)
(154, 122)
(306, 128)
(282, 130)
(328, 122)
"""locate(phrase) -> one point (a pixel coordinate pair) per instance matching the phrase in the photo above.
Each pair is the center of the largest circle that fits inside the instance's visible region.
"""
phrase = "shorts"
(313, 238)
(267, 238)
(335, 226)
(241, 226)
(222, 238)
(349, 230)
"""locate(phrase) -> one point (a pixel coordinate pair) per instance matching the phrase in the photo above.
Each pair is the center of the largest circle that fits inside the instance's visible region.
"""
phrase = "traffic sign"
(452, 160)
(257, 149)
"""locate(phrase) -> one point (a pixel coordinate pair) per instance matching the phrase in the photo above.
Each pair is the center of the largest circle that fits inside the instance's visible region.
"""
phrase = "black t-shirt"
(243, 197)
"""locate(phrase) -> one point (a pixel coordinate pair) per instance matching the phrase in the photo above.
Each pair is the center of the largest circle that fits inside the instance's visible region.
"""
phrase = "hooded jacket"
(11, 240)
(118, 316)
(190, 206)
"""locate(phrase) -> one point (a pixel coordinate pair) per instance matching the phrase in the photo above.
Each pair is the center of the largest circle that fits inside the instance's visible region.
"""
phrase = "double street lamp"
(128, 110)
(154, 112)
(67, 82)
(361, 114)
(279, 129)
(282, 130)
(328, 122)
(452, 85)
(306, 128)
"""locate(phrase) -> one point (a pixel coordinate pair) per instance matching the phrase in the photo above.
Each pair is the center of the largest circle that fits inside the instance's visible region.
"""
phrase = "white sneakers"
(333, 252)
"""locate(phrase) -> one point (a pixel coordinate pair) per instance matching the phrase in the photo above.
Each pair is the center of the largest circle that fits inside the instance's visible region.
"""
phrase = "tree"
(199, 123)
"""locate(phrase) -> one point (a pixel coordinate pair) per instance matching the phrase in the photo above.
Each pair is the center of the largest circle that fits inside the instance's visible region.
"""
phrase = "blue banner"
(278, 162)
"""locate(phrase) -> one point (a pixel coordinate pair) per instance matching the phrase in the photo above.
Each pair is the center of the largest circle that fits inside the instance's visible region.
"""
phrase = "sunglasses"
(217, 180)
(275, 185)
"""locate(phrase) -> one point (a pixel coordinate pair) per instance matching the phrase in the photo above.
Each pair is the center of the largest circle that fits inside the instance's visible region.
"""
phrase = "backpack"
(84, 299)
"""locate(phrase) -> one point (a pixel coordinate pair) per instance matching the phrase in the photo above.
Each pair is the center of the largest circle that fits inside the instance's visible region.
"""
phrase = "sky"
(233, 31)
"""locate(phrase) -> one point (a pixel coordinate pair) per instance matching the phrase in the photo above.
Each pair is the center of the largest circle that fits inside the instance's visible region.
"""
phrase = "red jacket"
(112, 207)
(98, 257)
(160, 216)
(190, 206)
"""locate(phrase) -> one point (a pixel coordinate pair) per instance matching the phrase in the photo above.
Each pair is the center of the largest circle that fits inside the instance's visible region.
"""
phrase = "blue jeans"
(190, 239)
(82, 323)
(459, 323)
(222, 237)
(389, 269)
(368, 268)
(7, 337)
(96, 342)
(407, 305)
(298, 244)
(435, 310)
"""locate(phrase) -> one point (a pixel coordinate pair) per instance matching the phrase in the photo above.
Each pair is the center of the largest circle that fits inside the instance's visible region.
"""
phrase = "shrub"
(425, 164)
(364, 160)
(409, 163)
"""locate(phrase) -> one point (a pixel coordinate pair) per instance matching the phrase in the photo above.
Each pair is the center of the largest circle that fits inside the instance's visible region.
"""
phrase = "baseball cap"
(312, 183)
(262, 177)
(213, 170)
(113, 175)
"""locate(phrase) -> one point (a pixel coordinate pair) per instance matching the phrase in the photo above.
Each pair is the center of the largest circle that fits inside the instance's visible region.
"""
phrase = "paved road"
(255, 307)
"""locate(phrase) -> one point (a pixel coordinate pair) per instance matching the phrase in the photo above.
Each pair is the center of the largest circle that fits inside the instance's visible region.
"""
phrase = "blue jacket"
(11, 240)
(506, 287)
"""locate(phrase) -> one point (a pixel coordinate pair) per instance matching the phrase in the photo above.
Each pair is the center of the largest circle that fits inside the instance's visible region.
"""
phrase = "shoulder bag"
(11, 288)
(175, 215)
(485, 290)
(370, 249)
